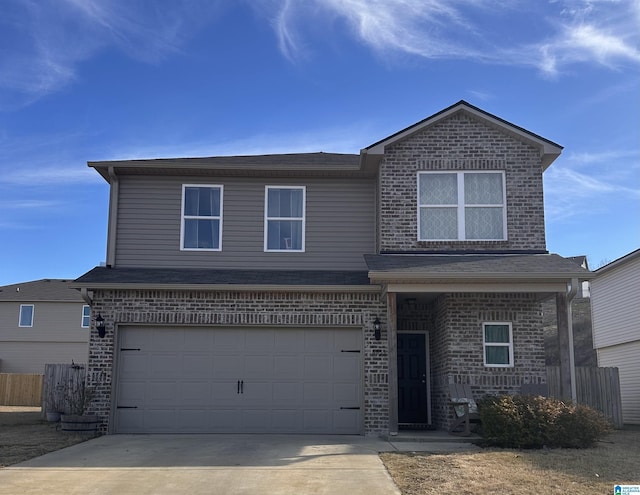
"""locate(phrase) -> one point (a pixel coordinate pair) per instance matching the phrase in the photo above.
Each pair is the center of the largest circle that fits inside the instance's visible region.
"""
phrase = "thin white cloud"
(49, 38)
(28, 204)
(575, 31)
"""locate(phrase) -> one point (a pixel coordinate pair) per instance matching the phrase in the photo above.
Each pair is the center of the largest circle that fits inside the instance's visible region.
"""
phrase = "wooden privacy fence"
(63, 387)
(17, 389)
(598, 388)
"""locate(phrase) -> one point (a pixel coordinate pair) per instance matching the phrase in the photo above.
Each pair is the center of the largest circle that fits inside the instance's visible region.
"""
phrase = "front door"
(413, 403)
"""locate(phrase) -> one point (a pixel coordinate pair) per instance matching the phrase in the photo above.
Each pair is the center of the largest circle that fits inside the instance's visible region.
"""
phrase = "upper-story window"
(26, 315)
(498, 344)
(86, 316)
(284, 221)
(463, 206)
(201, 218)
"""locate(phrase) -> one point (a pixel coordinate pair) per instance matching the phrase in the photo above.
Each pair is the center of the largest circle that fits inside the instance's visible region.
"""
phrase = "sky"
(84, 80)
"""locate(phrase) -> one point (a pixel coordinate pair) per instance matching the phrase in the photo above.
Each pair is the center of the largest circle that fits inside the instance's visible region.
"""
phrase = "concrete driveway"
(211, 464)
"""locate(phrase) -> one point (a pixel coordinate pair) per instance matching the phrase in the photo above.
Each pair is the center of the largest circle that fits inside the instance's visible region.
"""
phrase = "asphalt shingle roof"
(40, 290)
(528, 264)
(176, 276)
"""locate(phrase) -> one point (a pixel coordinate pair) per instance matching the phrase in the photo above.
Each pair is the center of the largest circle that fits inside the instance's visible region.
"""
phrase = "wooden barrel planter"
(82, 425)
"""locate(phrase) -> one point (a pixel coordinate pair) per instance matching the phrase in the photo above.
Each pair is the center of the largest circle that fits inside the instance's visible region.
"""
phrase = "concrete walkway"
(211, 464)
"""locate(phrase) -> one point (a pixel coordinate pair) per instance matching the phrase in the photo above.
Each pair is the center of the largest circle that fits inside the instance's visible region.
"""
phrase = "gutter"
(113, 216)
(571, 294)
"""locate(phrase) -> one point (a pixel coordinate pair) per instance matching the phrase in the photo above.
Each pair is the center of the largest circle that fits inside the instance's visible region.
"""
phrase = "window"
(201, 218)
(86, 316)
(463, 206)
(284, 218)
(498, 345)
(26, 315)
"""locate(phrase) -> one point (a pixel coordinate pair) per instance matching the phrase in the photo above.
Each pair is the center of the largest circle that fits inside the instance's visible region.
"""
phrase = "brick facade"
(459, 143)
(242, 309)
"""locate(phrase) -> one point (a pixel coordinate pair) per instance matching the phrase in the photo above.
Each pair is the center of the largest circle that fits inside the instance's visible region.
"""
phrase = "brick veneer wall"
(457, 346)
(461, 142)
(228, 309)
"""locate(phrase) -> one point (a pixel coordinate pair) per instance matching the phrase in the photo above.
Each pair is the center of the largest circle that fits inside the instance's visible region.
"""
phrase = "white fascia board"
(495, 287)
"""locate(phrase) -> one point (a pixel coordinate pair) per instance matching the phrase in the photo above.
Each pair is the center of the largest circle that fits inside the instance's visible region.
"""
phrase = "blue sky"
(103, 80)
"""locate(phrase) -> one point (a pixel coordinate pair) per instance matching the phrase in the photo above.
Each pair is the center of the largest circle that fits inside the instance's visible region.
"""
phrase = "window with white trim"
(86, 316)
(284, 222)
(26, 315)
(498, 344)
(201, 227)
(463, 206)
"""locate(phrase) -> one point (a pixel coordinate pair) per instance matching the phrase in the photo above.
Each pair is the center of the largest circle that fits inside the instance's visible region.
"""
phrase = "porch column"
(392, 341)
(565, 346)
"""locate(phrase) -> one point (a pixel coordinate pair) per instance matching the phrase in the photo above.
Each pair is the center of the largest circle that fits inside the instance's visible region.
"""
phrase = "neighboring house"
(322, 292)
(615, 308)
(42, 322)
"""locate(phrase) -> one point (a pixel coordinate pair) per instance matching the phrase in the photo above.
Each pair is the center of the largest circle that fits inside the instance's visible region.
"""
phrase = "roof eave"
(489, 277)
(225, 287)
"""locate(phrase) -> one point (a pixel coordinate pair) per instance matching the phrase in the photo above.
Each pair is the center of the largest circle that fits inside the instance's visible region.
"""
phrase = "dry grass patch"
(24, 435)
(592, 471)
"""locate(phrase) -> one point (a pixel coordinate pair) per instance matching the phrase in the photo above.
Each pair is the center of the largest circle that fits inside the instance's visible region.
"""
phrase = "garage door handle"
(349, 408)
(127, 407)
(242, 386)
(238, 387)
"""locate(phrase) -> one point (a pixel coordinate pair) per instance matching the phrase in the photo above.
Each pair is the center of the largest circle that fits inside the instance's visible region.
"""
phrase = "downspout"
(571, 293)
(114, 194)
(85, 295)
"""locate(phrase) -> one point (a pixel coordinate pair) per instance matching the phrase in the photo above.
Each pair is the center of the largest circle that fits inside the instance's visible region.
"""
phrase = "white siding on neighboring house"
(626, 358)
(615, 308)
(615, 305)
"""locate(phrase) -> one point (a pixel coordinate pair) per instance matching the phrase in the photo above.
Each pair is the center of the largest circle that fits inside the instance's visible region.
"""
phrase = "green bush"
(528, 422)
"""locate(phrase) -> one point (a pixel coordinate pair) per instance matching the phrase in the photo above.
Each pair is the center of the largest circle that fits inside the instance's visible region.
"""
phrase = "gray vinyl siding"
(340, 224)
(614, 305)
(625, 358)
(56, 336)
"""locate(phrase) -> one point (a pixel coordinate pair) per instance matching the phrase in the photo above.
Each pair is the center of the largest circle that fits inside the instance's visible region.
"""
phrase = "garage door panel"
(134, 364)
(345, 367)
(167, 341)
(197, 365)
(317, 393)
(227, 367)
(318, 342)
(317, 368)
(164, 364)
(258, 367)
(132, 393)
(162, 392)
(288, 393)
(188, 380)
(195, 393)
(287, 367)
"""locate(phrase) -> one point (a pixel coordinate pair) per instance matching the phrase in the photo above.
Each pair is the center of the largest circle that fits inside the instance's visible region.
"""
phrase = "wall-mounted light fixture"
(376, 328)
(100, 326)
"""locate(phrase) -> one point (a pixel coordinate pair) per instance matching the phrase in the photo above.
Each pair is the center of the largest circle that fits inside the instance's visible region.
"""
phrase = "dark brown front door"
(412, 379)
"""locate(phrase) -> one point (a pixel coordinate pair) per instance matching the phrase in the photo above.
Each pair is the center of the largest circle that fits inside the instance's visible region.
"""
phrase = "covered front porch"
(469, 319)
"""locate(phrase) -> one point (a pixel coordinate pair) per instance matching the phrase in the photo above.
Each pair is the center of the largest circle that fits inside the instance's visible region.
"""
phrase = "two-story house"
(42, 321)
(321, 292)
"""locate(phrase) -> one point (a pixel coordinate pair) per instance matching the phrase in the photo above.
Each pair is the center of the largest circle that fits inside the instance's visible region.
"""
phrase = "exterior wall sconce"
(376, 328)
(100, 326)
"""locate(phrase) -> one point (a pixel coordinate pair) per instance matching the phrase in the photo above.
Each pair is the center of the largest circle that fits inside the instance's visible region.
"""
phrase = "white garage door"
(184, 380)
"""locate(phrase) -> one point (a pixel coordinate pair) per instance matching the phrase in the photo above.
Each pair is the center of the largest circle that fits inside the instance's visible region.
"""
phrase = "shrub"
(528, 422)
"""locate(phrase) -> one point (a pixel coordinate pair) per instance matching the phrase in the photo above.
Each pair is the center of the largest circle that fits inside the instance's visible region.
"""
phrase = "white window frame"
(184, 217)
(86, 317)
(461, 206)
(267, 218)
(33, 315)
(486, 344)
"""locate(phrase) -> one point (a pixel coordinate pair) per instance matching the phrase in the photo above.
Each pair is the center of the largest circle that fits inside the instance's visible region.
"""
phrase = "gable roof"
(548, 149)
(619, 262)
(52, 290)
